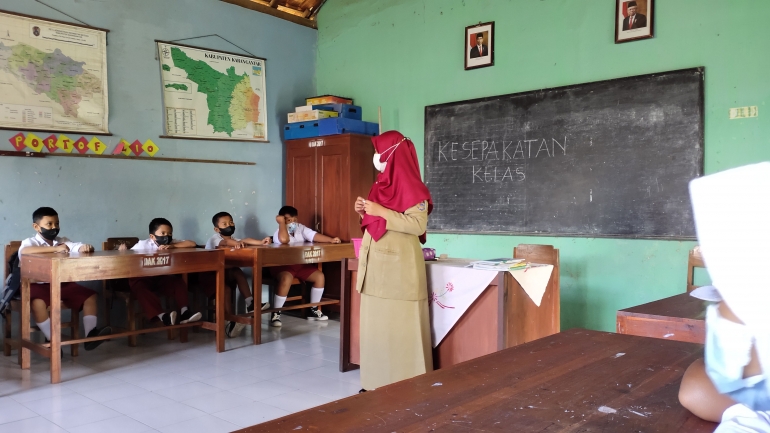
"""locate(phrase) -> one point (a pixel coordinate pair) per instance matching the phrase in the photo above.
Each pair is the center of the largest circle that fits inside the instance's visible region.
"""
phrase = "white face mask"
(380, 166)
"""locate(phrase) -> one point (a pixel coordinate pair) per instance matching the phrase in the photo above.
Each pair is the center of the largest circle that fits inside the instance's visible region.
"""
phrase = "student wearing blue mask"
(290, 231)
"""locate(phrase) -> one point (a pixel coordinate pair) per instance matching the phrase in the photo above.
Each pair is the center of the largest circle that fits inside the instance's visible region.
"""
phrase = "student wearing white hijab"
(732, 383)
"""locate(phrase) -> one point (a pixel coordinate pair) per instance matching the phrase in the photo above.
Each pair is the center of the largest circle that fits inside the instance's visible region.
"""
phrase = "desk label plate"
(312, 255)
(156, 261)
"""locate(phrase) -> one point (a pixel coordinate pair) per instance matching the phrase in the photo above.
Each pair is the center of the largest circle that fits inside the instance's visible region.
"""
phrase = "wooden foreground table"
(107, 265)
(577, 381)
(679, 318)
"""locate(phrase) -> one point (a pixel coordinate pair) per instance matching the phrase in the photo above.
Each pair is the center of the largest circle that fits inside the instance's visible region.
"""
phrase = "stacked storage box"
(327, 115)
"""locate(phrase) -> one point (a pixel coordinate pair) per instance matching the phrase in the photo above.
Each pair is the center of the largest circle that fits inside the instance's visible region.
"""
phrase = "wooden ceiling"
(298, 11)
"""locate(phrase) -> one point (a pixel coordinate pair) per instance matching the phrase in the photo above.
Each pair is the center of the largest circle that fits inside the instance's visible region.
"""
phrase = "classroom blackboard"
(603, 159)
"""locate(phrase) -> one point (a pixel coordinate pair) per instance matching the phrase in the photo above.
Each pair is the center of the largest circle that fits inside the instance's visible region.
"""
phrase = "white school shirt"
(39, 241)
(741, 419)
(302, 234)
(150, 245)
(214, 241)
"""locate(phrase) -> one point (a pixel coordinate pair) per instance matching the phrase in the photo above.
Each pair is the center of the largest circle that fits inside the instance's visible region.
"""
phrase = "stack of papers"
(499, 264)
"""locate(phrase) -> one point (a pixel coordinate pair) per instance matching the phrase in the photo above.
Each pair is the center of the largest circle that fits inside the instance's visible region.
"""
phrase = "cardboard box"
(328, 99)
(304, 116)
(346, 110)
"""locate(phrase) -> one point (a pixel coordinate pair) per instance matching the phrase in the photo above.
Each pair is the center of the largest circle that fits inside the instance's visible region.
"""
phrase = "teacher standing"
(395, 319)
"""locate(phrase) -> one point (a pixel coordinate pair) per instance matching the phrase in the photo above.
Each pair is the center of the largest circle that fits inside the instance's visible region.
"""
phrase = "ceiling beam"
(265, 9)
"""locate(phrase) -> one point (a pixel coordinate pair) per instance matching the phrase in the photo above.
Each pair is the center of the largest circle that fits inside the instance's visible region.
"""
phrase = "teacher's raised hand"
(374, 209)
(359, 206)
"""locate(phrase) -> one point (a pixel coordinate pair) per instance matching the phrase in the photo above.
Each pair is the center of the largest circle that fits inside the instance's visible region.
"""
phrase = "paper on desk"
(731, 211)
(534, 280)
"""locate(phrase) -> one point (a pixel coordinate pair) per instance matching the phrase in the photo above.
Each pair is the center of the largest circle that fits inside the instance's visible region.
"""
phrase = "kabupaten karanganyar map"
(52, 76)
(212, 94)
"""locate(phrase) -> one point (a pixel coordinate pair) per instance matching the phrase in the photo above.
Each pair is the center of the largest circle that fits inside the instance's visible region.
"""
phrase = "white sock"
(315, 294)
(45, 328)
(160, 316)
(279, 300)
(89, 323)
(249, 300)
(182, 310)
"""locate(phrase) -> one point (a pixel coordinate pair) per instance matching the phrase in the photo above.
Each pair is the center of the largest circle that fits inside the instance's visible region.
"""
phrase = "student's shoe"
(96, 332)
(250, 307)
(189, 317)
(275, 320)
(233, 329)
(316, 314)
(169, 319)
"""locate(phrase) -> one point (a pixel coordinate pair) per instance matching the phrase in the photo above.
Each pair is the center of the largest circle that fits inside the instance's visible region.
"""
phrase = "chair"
(695, 260)
(8, 342)
(272, 284)
(119, 289)
(545, 254)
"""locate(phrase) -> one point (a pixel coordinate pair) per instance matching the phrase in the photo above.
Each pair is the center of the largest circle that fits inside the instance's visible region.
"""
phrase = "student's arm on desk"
(61, 248)
(412, 222)
(254, 242)
(318, 237)
(180, 244)
(232, 243)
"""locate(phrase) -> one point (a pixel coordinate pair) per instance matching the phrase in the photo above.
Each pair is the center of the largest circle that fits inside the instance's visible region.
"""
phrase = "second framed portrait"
(633, 20)
(480, 45)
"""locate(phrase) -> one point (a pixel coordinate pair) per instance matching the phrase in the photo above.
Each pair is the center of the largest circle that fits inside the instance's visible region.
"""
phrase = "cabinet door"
(301, 181)
(333, 190)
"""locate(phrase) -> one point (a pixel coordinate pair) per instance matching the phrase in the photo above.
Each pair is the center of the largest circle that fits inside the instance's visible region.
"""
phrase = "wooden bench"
(680, 318)
(577, 380)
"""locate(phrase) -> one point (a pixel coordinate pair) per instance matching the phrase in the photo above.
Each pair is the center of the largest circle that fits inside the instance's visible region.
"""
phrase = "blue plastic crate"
(341, 125)
(308, 129)
(345, 110)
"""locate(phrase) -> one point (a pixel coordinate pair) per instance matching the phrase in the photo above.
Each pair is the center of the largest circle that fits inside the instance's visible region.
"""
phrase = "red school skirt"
(73, 295)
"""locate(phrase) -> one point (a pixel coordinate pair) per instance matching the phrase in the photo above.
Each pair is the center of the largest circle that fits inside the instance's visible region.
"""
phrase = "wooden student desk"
(106, 265)
(575, 381)
(681, 318)
(258, 257)
(502, 316)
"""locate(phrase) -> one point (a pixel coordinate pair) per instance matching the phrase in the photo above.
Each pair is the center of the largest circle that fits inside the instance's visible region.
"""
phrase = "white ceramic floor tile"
(261, 390)
(166, 380)
(331, 354)
(333, 372)
(36, 425)
(334, 389)
(204, 424)
(218, 402)
(138, 403)
(11, 411)
(249, 415)
(132, 374)
(121, 424)
(81, 416)
(51, 390)
(50, 405)
(208, 372)
(187, 391)
(247, 363)
(113, 392)
(271, 371)
(167, 415)
(307, 363)
(297, 401)
(300, 380)
(232, 380)
(89, 383)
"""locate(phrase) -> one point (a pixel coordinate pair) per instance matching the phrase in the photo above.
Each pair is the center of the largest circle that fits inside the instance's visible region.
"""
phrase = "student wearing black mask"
(224, 228)
(45, 221)
(145, 288)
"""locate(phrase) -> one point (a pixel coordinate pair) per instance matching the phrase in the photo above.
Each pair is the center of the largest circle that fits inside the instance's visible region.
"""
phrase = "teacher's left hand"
(374, 209)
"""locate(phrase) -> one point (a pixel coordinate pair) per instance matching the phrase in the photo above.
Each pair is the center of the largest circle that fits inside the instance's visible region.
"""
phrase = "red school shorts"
(300, 272)
(72, 294)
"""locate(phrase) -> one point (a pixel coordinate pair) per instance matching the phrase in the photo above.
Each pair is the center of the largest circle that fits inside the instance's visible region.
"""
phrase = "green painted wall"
(406, 54)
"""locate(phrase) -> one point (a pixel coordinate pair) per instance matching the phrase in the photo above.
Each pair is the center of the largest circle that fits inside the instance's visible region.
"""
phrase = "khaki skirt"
(395, 340)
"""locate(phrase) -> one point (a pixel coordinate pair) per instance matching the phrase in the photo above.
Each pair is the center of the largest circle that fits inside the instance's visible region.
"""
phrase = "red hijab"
(400, 186)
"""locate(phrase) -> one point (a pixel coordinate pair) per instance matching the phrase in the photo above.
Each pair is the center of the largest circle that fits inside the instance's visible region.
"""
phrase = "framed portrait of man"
(479, 45)
(633, 20)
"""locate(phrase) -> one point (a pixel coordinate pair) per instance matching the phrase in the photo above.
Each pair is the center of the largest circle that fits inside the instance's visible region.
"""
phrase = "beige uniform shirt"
(394, 267)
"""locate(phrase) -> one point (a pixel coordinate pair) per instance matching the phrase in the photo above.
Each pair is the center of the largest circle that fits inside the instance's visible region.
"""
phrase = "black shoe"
(275, 320)
(316, 314)
(362, 391)
(250, 307)
(233, 329)
(188, 316)
(96, 332)
(169, 319)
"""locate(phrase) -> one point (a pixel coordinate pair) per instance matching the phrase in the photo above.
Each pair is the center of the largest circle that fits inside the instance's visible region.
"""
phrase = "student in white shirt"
(145, 288)
(45, 221)
(289, 232)
(224, 228)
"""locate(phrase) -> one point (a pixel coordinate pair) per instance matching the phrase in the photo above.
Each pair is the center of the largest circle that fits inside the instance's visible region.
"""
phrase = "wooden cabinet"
(324, 175)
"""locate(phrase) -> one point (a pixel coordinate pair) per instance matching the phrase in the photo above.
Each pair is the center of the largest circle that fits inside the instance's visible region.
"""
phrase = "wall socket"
(744, 112)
